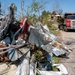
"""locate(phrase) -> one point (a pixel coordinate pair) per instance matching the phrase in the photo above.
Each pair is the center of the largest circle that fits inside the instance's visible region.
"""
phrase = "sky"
(65, 5)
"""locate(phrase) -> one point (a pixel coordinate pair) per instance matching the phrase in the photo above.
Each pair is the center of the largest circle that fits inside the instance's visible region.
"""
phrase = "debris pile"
(31, 46)
(37, 41)
(49, 45)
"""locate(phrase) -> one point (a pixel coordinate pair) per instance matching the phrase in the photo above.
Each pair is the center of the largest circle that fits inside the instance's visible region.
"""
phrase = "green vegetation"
(56, 59)
(38, 54)
(54, 68)
(37, 74)
(54, 32)
(52, 28)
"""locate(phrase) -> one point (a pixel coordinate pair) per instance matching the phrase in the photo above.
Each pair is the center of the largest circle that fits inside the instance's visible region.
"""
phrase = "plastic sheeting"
(32, 70)
(61, 67)
(13, 55)
(23, 67)
(41, 36)
(58, 51)
(50, 73)
(46, 31)
(47, 47)
(37, 37)
(62, 71)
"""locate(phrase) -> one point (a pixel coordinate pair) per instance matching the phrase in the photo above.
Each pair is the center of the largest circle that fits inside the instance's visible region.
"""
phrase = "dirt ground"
(69, 39)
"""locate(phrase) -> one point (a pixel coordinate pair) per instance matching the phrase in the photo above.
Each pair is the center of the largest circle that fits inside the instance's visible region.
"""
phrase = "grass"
(54, 32)
(52, 28)
(56, 59)
(54, 68)
(37, 74)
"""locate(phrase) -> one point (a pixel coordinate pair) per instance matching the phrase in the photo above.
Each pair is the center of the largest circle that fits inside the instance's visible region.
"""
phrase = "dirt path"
(69, 39)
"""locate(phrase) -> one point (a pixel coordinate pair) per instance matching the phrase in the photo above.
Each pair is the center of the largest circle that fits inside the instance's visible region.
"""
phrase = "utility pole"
(22, 7)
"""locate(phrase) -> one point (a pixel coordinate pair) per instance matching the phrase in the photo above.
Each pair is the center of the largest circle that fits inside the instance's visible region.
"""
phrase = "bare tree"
(36, 7)
(56, 7)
